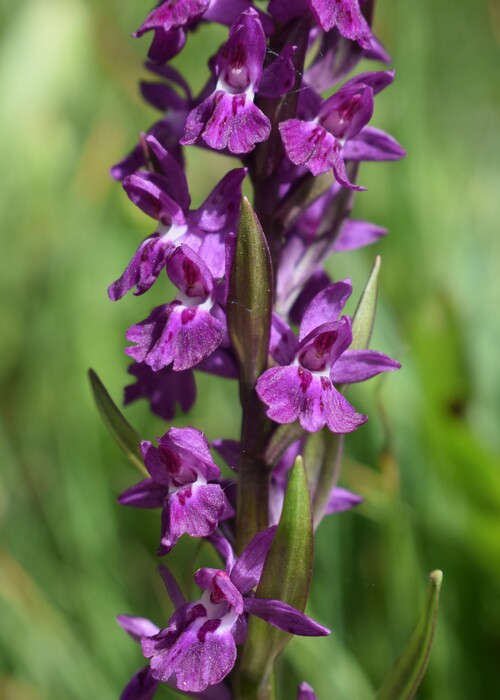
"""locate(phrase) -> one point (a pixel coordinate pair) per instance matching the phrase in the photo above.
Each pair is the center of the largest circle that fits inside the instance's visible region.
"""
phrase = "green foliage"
(121, 430)
(250, 297)
(403, 680)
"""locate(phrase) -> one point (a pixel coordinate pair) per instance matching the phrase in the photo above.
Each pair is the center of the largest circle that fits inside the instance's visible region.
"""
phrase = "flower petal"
(145, 494)
(200, 656)
(175, 334)
(172, 14)
(194, 510)
(144, 268)
(373, 145)
(340, 500)
(326, 307)
(247, 571)
(285, 617)
(137, 627)
(142, 686)
(346, 15)
(357, 234)
(306, 692)
(359, 365)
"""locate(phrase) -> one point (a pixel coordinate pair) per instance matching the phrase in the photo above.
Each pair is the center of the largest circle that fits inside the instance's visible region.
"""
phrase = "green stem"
(253, 478)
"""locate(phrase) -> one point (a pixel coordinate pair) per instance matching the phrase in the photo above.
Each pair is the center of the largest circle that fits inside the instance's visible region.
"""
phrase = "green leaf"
(286, 576)
(123, 433)
(405, 676)
(249, 302)
(364, 316)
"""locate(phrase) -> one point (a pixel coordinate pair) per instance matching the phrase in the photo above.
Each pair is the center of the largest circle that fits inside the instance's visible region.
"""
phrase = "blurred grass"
(428, 460)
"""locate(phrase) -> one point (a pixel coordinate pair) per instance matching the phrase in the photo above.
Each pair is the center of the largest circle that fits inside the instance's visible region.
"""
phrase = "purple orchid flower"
(165, 197)
(322, 143)
(182, 484)
(304, 389)
(198, 648)
(190, 328)
(142, 685)
(228, 117)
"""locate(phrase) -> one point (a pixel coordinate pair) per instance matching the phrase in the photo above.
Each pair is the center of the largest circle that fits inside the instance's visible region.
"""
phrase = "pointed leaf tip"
(364, 316)
(404, 678)
(290, 552)
(121, 430)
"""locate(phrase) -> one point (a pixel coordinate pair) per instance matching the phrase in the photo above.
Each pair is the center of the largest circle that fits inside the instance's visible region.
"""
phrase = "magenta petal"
(376, 80)
(200, 656)
(166, 44)
(148, 191)
(306, 692)
(193, 448)
(326, 307)
(173, 178)
(239, 62)
(293, 393)
(226, 11)
(285, 617)
(220, 210)
(177, 335)
(222, 546)
(236, 124)
(194, 510)
(247, 571)
(309, 144)
(346, 15)
(340, 500)
(137, 627)
(144, 268)
(172, 14)
(356, 234)
(142, 686)
(171, 586)
(358, 365)
(373, 144)
(341, 417)
(160, 96)
(182, 455)
(145, 494)
(197, 120)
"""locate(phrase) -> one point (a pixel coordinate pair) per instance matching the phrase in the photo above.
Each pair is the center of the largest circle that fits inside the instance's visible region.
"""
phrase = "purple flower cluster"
(263, 102)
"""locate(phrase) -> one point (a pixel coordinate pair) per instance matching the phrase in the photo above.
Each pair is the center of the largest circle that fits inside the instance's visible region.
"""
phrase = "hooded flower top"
(303, 388)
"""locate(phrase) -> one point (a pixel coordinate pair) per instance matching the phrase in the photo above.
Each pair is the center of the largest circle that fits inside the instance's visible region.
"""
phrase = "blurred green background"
(427, 462)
